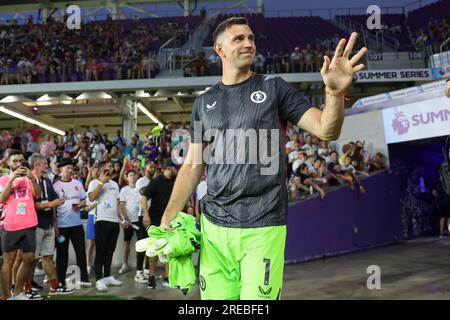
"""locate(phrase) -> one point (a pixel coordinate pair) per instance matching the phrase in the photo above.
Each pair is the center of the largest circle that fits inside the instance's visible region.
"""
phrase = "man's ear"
(218, 49)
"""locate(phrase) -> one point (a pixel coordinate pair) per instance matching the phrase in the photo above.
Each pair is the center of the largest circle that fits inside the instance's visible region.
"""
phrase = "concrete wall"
(346, 221)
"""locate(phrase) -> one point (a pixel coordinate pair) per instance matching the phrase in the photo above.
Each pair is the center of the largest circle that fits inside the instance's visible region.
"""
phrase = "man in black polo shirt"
(245, 209)
(158, 191)
(45, 233)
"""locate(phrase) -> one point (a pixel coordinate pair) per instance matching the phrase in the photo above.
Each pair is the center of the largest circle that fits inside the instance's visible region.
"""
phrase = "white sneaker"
(111, 281)
(125, 268)
(100, 285)
(140, 278)
(85, 284)
(20, 296)
(39, 272)
(147, 272)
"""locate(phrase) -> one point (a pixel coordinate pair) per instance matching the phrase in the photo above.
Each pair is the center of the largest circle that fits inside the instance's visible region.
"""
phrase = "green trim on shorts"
(241, 263)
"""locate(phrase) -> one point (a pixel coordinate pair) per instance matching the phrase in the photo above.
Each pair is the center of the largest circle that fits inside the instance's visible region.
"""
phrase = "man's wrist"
(338, 94)
(334, 92)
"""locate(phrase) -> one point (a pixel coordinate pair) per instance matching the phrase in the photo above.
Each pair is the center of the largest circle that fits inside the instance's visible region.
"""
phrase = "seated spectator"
(301, 159)
(282, 62)
(269, 63)
(317, 172)
(419, 42)
(324, 151)
(200, 64)
(346, 151)
(258, 63)
(307, 180)
(154, 65)
(93, 68)
(293, 155)
(349, 169)
(309, 147)
(297, 190)
(4, 70)
(296, 60)
(24, 71)
(377, 163)
(340, 175)
(318, 58)
(214, 64)
(308, 59)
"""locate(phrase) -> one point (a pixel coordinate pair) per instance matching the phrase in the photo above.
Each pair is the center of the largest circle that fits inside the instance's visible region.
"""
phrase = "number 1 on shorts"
(267, 273)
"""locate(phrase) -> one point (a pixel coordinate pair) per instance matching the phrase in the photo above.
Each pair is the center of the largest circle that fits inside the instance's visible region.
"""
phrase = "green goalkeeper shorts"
(241, 263)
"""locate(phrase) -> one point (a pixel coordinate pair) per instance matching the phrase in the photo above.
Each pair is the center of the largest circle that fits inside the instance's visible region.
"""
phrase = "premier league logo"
(400, 124)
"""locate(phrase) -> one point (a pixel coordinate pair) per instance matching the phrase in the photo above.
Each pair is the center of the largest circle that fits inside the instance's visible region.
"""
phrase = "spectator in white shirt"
(129, 208)
(106, 193)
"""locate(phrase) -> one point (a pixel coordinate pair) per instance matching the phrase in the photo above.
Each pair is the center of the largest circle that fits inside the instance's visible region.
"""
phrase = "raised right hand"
(104, 179)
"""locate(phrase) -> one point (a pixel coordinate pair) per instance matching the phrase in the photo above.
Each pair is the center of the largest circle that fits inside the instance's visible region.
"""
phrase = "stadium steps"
(198, 37)
(176, 73)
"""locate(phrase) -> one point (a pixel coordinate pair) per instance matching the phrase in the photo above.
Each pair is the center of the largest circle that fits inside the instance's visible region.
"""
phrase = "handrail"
(394, 40)
(165, 44)
(444, 43)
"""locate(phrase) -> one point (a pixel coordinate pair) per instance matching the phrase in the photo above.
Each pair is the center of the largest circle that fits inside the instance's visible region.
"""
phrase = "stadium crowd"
(73, 170)
(50, 52)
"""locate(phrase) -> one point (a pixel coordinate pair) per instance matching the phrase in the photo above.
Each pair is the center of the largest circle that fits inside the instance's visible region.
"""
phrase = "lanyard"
(45, 189)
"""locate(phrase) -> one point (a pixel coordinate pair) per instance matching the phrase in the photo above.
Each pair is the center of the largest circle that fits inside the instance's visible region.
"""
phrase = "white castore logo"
(258, 97)
(211, 106)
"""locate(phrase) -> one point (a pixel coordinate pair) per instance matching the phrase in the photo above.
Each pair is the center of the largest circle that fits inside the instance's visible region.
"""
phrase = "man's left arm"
(337, 76)
(35, 185)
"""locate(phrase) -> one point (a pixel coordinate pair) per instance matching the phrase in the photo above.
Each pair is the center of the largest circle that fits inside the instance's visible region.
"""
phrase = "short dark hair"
(128, 172)
(224, 25)
(302, 167)
(101, 164)
(15, 153)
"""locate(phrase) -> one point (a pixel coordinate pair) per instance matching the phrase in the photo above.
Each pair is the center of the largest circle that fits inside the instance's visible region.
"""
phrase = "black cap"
(66, 162)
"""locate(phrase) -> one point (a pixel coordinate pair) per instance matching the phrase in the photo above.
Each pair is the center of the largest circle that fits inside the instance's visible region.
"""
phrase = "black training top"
(246, 193)
(158, 190)
(45, 217)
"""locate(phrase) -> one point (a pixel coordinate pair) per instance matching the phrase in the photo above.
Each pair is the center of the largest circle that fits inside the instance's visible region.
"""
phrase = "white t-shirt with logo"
(132, 199)
(142, 183)
(73, 193)
(107, 201)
